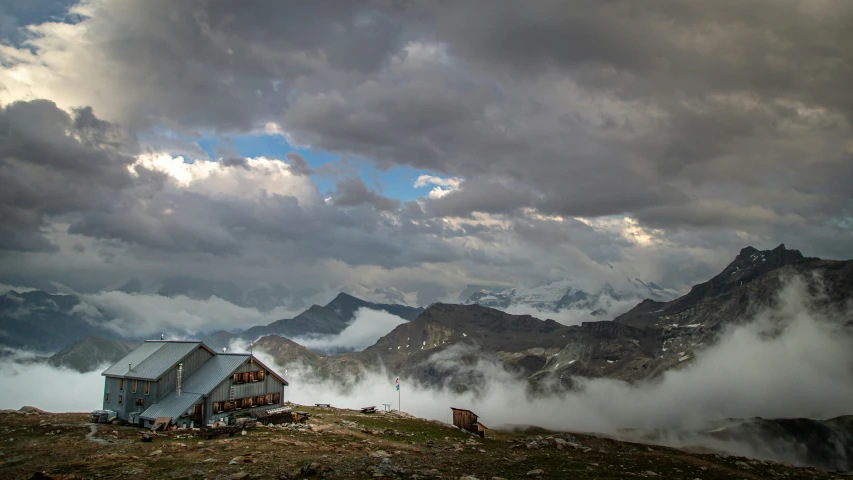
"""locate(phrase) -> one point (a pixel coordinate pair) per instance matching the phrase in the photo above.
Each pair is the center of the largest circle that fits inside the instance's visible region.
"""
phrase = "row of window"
(133, 386)
(248, 402)
(139, 401)
(249, 377)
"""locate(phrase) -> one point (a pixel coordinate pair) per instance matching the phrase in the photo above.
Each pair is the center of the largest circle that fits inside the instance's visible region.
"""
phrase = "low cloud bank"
(137, 315)
(790, 361)
(36, 384)
(576, 316)
(367, 327)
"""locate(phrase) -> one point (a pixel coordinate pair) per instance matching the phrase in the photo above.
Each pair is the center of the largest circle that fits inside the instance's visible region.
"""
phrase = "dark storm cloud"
(717, 123)
(298, 165)
(228, 66)
(352, 191)
(590, 108)
(53, 163)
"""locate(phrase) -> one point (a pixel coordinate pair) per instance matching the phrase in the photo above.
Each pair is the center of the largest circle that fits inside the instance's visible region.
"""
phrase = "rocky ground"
(347, 444)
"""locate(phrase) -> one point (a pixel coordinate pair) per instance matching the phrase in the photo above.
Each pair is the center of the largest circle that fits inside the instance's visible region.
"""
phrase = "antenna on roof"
(162, 337)
(251, 347)
(223, 349)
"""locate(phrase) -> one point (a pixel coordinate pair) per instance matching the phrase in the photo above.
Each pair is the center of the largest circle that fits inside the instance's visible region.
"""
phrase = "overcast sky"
(419, 144)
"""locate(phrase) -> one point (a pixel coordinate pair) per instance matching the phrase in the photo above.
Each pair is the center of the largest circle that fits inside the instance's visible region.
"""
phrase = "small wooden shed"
(467, 420)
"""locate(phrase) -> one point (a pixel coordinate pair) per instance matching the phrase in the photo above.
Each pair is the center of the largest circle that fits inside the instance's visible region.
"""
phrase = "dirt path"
(93, 429)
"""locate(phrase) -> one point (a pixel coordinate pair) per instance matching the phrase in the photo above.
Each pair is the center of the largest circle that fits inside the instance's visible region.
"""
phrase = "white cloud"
(35, 384)
(443, 186)
(258, 176)
(577, 316)
(766, 368)
(367, 327)
(148, 315)
(16, 288)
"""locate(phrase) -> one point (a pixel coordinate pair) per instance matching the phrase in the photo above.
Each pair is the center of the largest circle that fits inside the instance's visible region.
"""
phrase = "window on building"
(133, 386)
(260, 400)
(276, 398)
(107, 398)
(269, 399)
(216, 407)
(119, 399)
(197, 409)
(121, 384)
(147, 387)
(236, 378)
(245, 377)
(139, 401)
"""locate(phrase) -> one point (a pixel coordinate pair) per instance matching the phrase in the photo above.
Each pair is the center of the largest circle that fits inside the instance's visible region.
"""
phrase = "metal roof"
(214, 371)
(134, 358)
(152, 359)
(172, 405)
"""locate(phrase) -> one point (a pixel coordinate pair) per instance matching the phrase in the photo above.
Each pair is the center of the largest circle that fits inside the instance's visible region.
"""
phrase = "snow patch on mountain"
(390, 295)
(564, 301)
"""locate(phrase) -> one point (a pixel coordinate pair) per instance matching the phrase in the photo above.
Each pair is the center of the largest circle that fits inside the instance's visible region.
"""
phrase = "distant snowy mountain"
(388, 295)
(564, 295)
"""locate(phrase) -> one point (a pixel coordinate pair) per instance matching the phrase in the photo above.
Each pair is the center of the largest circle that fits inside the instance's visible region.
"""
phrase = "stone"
(535, 472)
(238, 476)
(156, 453)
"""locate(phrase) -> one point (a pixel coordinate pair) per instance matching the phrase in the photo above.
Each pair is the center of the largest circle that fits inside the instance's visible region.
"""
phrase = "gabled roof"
(152, 359)
(201, 383)
(270, 371)
(172, 405)
(213, 372)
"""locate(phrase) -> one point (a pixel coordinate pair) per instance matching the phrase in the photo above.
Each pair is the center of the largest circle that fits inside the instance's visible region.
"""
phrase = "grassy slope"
(418, 447)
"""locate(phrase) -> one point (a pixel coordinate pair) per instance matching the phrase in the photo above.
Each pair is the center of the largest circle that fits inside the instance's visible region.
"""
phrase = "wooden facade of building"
(467, 420)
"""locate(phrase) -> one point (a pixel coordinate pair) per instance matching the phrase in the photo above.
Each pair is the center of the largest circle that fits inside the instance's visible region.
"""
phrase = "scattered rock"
(743, 465)
(468, 477)
(238, 476)
(31, 410)
(156, 453)
(535, 472)
(310, 470)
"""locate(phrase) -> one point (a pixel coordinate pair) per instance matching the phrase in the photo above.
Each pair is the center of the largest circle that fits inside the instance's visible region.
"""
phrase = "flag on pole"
(397, 381)
(398, 387)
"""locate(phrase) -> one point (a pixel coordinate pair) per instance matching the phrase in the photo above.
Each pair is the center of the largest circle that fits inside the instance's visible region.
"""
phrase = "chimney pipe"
(180, 371)
(129, 367)
(162, 337)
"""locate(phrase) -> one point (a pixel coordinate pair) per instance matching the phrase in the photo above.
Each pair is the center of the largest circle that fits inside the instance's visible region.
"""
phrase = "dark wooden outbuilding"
(467, 420)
